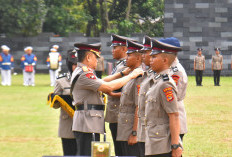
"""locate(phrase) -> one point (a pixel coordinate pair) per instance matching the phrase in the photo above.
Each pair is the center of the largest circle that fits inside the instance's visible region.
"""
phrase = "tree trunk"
(128, 9)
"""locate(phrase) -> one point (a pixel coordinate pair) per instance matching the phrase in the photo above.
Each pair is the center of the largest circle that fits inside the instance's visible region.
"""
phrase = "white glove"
(60, 63)
(25, 63)
(33, 64)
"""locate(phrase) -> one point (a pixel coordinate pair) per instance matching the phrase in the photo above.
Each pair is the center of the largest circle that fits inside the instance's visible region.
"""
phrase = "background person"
(217, 61)
(54, 62)
(28, 63)
(100, 67)
(6, 65)
(199, 66)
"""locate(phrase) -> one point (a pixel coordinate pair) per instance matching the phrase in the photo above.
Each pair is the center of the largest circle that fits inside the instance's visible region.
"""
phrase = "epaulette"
(150, 71)
(124, 62)
(85, 69)
(165, 77)
(61, 76)
(175, 69)
(157, 77)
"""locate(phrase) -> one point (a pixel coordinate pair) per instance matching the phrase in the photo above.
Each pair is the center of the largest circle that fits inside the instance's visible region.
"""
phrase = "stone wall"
(43, 42)
(200, 23)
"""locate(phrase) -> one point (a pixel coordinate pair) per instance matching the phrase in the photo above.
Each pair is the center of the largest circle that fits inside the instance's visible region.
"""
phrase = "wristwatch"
(175, 146)
(134, 133)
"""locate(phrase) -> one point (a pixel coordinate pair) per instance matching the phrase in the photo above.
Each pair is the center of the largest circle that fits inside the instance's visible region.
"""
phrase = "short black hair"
(81, 54)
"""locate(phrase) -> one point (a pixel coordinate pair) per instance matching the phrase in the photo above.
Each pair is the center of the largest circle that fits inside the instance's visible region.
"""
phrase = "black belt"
(90, 107)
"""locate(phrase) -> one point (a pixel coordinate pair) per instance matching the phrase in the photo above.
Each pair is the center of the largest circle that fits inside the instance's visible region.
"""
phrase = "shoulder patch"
(169, 94)
(165, 77)
(90, 76)
(61, 76)
(176, 78)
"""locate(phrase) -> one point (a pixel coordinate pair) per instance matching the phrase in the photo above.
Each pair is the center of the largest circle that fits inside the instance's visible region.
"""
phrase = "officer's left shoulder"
(62, 76)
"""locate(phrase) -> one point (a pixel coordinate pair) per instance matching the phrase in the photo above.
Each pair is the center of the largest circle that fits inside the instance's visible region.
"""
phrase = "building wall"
(200, 23)
(42, 43)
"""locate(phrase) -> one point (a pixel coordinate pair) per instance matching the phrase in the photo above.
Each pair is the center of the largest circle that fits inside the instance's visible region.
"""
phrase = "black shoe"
(201, 85)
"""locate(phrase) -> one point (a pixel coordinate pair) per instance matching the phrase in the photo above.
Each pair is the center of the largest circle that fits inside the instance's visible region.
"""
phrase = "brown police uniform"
(128, 103)
(199, 68)
(114, 102)
(181, 79)
(216, 61)
(144, 87)
(161, 99)
(100, 67)
(62, 87)
(89, 115)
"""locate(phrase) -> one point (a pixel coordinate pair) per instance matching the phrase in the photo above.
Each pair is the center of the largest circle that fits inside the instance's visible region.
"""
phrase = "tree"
(22, 17)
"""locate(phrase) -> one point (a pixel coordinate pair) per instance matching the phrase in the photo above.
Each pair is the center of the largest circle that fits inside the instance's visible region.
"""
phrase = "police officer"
(28, 62)
(54, 62)
(217, 61)
(161, 112)
(85, 88)
(6, 65)
(62, 87)
(119, 53)
(144, 86)
(128, 109)
(199, 66)
(181, 79)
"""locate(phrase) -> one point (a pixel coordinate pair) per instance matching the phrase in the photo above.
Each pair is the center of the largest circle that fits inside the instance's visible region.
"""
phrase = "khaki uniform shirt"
(62, 87)
(100, 64)
(128, 104)
(161, 99)
(199, 62)
(181, 79)
(144, 87)
(217, 60)
(85, 92)
(113, 102)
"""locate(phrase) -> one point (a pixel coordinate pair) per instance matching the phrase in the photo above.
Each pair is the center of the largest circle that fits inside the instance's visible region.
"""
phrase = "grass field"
(28, 127)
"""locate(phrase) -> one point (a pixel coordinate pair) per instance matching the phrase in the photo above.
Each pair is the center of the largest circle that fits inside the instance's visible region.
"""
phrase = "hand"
(33, 64)
(132, 140)
(25, 63)
(177, 152)
(126, 71)
(136, 73)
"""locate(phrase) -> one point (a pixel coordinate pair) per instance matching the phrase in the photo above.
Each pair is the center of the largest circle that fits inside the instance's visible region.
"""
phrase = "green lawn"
(28, 127)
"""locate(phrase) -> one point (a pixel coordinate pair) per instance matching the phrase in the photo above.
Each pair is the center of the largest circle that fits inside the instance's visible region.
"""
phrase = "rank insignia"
(169, 94)
(90, 76)
(176, 78)
(138, 88)
(85, 68)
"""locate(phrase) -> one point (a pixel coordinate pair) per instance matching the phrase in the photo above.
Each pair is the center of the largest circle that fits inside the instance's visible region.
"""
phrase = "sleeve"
(57, 90)
(48, 61)
(168, 97)
(35, 60)
(22, 61)
(12, 61)
(136, 90)
(1, 60)
(89, 81)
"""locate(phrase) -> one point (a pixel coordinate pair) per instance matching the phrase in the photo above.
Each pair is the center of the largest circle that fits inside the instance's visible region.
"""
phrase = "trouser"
(117, 144)
(53, 75)
(69, 146)
(6, 77)
(130, 150)
(161, 155)
(28, 78)
(199, 74)
(141, 149)
(216, 75)
(84, 142)
(99, 74)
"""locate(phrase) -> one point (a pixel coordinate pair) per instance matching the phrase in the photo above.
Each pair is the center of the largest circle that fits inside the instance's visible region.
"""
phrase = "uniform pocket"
(158, 131)
(96, 113)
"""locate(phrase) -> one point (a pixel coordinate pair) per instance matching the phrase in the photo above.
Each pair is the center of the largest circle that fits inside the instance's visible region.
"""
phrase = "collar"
(175, 62)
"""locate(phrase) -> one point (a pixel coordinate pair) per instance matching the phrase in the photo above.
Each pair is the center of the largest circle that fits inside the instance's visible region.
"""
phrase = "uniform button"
(115, 105)
(157, 133)
(144, 93)
(145, 116)
(126, 120)
(145, 101)
(155, 100)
